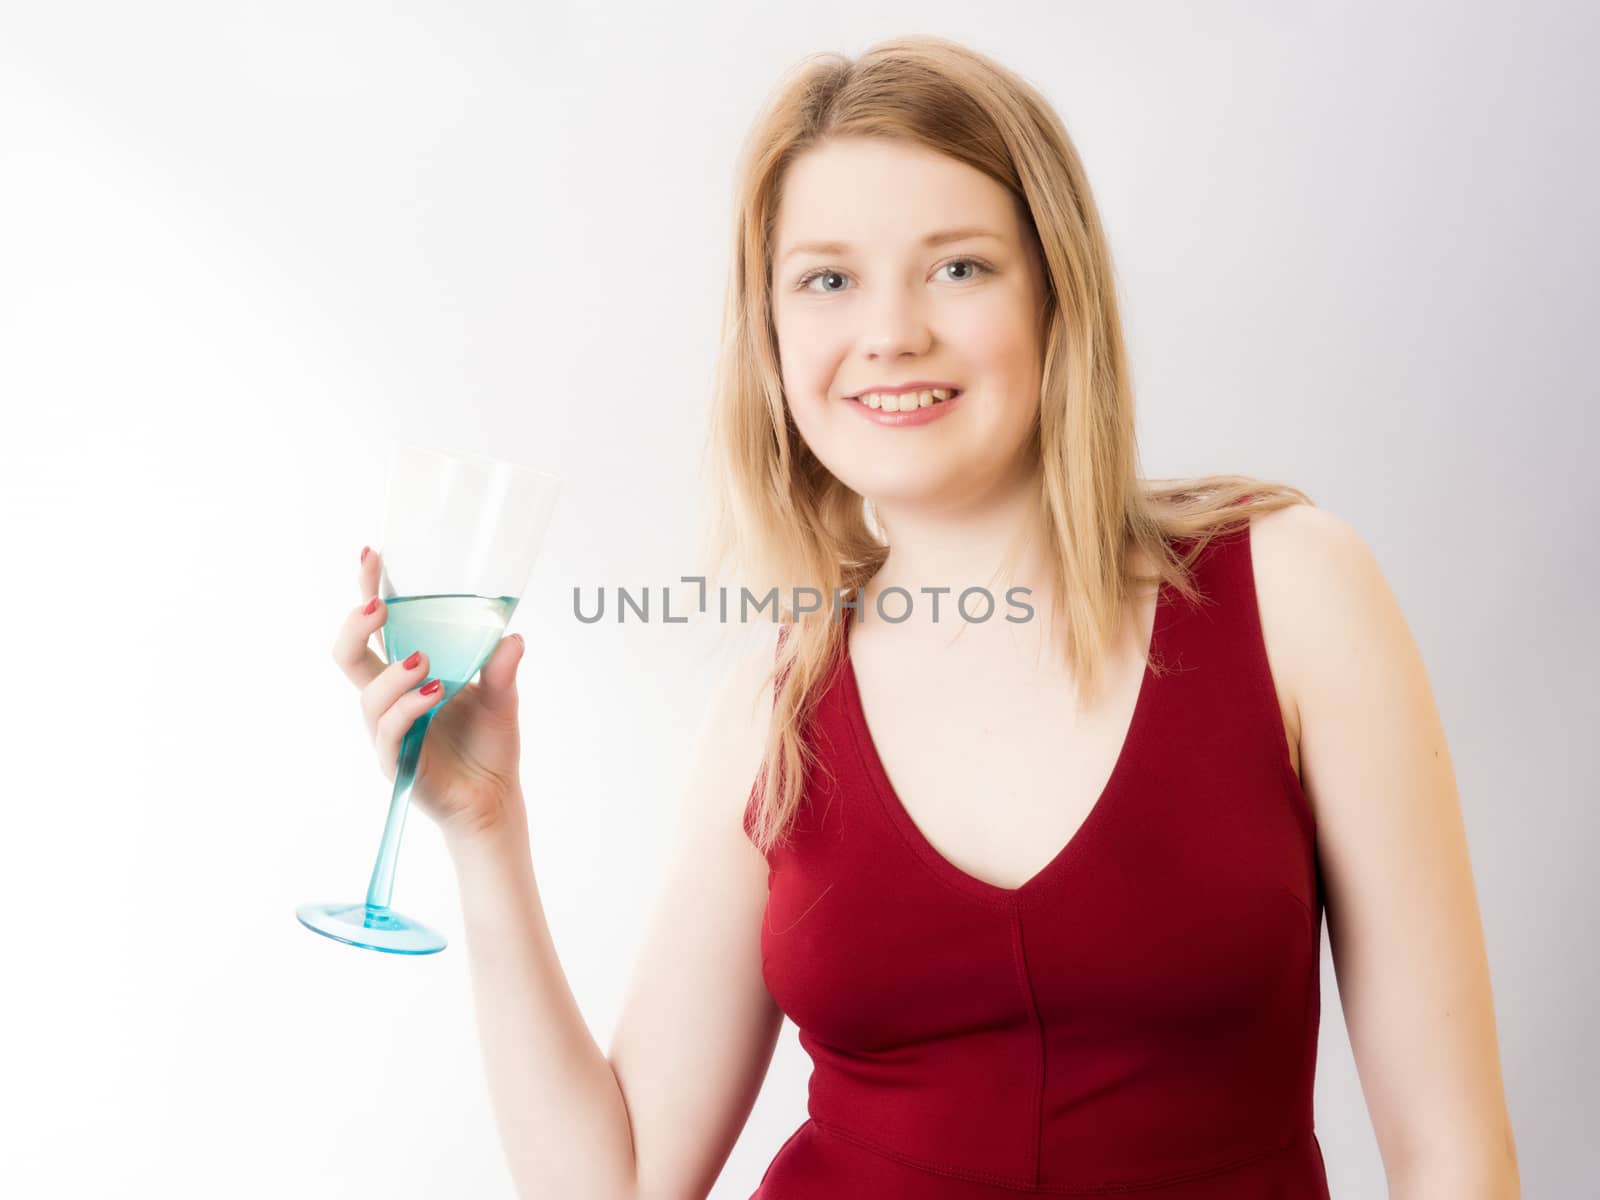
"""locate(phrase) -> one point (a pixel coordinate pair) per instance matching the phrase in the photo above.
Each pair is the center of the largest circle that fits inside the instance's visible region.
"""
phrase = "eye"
(804, 282)
(979, 267)
(976, 267)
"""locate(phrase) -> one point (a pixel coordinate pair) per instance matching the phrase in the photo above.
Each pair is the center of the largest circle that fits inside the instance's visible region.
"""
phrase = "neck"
(994, 541)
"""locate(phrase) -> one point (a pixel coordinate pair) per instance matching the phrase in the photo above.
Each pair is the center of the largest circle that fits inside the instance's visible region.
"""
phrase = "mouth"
(911, 408)
(891, 402)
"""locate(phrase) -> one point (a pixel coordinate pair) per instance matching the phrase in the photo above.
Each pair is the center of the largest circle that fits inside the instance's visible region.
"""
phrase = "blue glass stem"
(381, 888)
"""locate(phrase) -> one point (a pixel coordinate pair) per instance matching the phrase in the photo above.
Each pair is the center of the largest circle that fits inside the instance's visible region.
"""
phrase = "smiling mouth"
(905, 401)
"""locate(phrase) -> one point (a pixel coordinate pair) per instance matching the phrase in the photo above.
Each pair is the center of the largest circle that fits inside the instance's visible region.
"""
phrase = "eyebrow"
(933, 239)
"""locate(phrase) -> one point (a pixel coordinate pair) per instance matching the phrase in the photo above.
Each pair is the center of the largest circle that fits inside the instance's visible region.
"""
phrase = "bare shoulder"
(1299, 554)
(1296, 556)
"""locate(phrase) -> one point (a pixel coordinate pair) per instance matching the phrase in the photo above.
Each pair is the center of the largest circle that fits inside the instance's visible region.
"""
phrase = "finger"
(367, 574)
(394, 723)
(498, 678)
(351, 649)
(391, 683)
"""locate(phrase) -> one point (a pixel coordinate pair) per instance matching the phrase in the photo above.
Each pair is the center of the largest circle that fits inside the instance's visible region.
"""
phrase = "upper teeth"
(905, 401)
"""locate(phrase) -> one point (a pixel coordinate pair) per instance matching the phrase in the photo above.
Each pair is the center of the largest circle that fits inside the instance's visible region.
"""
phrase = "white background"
(240, 246)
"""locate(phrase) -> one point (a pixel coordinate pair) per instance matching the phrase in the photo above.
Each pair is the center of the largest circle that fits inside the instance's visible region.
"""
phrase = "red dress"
(1140, 1016)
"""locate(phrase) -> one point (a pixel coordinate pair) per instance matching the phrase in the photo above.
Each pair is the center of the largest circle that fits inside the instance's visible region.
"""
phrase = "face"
(888, 303)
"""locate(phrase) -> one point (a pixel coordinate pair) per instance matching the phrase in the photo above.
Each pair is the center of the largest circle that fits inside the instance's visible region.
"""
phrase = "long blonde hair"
(783, 518)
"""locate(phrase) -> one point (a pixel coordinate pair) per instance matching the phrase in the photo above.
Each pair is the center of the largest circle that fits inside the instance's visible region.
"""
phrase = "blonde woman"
(1031, 825)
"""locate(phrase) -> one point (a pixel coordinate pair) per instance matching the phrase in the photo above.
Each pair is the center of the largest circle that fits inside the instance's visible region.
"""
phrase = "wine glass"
(460, 536)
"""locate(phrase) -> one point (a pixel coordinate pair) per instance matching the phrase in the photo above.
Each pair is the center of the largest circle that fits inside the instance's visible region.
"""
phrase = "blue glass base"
(370, 928)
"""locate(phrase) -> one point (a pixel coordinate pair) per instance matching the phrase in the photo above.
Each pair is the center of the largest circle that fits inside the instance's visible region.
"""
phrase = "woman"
(1043, 891)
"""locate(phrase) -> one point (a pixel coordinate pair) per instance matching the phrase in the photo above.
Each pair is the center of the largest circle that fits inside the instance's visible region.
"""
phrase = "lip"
(917, 416)
(916, 385)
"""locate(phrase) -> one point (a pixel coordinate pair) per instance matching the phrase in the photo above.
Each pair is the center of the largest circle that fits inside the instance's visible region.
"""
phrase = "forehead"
(858, 191)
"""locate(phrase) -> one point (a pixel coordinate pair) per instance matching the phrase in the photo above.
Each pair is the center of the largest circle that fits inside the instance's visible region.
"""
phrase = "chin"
(914, 483)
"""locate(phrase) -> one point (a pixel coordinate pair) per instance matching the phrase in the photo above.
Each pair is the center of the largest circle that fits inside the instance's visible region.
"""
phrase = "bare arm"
(1403, 918)
(659, 1115)
(559, 1110)
(698, 1028)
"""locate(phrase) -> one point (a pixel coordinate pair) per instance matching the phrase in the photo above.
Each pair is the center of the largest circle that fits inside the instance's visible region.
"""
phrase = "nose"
(895, 325)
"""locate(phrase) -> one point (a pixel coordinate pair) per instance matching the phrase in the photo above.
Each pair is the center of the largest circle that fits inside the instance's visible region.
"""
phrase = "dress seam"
(1025, 977)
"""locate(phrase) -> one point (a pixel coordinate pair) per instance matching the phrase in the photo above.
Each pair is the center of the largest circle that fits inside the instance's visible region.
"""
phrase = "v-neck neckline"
(1132, 741)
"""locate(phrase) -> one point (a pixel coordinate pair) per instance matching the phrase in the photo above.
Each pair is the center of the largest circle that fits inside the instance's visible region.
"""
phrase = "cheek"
(1001, 345)
(806, 356)
(805, 391)
(809, 367)
(805, 395)
(997, 338)
(822, 426)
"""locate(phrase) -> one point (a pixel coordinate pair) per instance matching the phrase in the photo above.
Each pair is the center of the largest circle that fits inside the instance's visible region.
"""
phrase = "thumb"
(499, 675)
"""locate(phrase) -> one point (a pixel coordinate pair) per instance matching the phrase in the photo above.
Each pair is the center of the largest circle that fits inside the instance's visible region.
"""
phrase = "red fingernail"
(415, 658)
(372, 606)
(365, 550)
(429, 689)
